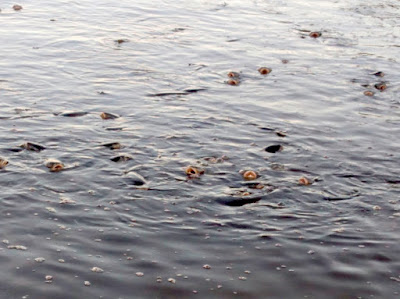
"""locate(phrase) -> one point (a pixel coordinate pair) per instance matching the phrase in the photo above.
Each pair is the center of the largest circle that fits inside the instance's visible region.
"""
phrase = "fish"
(3, 163)
(113, 145)
(32, 146)
(106, 115)
(121, 157)
(74, 114)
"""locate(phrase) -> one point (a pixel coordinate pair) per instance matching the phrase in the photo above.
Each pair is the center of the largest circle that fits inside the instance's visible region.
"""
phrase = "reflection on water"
(125, 96)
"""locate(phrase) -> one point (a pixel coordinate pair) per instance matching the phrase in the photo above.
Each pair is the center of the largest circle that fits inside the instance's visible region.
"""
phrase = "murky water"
(162, 68)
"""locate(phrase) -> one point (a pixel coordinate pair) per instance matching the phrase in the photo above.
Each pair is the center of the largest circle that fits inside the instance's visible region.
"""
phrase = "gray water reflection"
(162, 69)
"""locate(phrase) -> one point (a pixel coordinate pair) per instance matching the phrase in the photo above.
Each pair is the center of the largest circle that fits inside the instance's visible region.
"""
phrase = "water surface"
(214, 236)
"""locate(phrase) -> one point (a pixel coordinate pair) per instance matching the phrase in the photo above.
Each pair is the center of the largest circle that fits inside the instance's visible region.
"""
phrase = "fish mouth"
(57, 167)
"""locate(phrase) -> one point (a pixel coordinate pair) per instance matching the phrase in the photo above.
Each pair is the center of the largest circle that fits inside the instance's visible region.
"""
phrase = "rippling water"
(213, 236)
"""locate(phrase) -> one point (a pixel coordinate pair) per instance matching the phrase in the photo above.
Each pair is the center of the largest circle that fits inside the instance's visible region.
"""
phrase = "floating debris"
(97, 270)
(381, 86)
(106, 115)
(121, 158)
(264, 70)
(193, 172)
(250, 175)
(242, 278)
(285, 61)
(171, 280)
(368, 93)
(233, 82)
(379, 74)
(54, 165)
(87, 283)
(113, 145)
(40, 259)
(17, 247)
(139, 274)
(3, 163)
(17, 7)
(32, 147)
(206, 266)
(304, 181)
(274, 148)
(315, 34)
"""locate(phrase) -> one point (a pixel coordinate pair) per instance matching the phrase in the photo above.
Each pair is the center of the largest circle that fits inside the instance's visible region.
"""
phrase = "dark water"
(213, 236)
